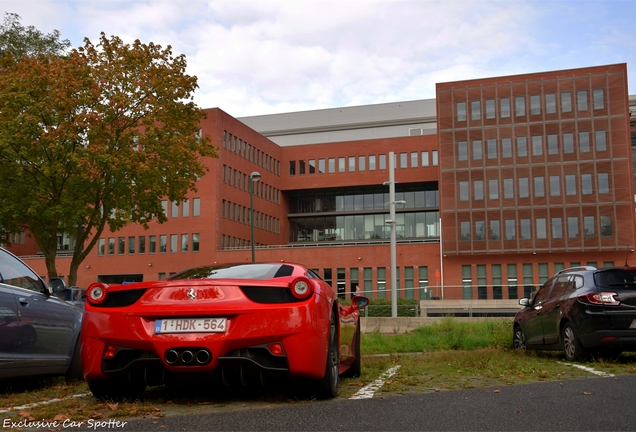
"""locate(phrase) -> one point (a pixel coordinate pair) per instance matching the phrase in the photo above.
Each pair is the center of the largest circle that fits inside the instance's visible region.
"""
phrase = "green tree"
(93, 139)
(29, 41)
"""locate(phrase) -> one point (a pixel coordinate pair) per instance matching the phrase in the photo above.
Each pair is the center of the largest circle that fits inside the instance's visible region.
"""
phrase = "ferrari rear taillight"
(110, 351)
(276, 349)
(96, 293)
(301, 288)
(600, 298)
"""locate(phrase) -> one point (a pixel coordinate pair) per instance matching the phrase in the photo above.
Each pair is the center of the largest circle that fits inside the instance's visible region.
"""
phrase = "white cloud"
(257, 57)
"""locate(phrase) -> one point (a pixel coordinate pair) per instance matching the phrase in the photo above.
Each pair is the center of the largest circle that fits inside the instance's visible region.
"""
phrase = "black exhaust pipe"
(171, 357)
(187, 356)
(203, 356)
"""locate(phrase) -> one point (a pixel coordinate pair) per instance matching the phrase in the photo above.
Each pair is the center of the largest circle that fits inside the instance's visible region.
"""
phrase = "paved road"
(593, 404)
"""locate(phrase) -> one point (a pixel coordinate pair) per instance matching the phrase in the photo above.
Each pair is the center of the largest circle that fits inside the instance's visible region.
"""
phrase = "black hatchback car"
(580, 310)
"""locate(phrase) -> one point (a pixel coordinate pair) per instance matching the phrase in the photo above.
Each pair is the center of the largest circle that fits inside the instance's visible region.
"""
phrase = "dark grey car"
(39, 325)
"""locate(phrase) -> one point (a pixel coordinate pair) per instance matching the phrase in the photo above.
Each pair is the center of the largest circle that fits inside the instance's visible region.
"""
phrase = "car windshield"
(242, 271)
(616, 278)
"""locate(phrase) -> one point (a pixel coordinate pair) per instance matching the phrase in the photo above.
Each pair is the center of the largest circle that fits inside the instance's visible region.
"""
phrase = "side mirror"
(524, 301)
(57, 285)
(360, 302)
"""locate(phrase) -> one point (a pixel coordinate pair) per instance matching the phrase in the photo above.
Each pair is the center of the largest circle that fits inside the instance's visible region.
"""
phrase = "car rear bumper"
(300, 329)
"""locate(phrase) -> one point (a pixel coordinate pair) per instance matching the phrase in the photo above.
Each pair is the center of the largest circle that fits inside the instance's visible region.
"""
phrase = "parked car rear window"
(243, 271)
(616, 278)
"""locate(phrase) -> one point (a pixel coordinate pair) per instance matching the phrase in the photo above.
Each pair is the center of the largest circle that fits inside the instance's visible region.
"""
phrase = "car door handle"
(23, 301)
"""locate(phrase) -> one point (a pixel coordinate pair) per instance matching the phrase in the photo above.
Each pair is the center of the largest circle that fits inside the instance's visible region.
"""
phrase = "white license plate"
(191, 325)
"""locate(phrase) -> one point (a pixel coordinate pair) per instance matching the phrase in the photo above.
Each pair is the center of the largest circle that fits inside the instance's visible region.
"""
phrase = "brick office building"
(505, 181)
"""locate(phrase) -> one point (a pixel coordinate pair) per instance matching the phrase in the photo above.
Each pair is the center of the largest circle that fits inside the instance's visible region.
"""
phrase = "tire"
(519, 339)
(74, 372)
(572, 347)
(327, 387)
(355, 369)
(116, 389)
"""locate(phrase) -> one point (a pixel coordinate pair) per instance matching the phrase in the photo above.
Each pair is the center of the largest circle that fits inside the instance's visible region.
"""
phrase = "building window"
(142, 244)
(584, 142)
(525, 229)
(535, 105)
(332, 165)
(541, 228)
(174, 209)
(362, 163)
(475, 110)
(195, 242)
(477, 150)
(321, 166)
(522, 147)
(603, 183)
(404, 160)
(557, 228)
(589, 226)
(341, 164)
(504, 107)
(185, 208)
(382, 161)
(163, 240)
(570, 185)
(553, 144)
(184, 242)
(196, 207)
(490, 109)
(352, 164)
(478, 190)
(581, 100)
(462, 150)
(497, 292)
(573, 227)
(606, 225)
(510, 229)
(508, 185)
(539, 187)
(312, 166)
(520, 106)
(491, 148)
(524, 189)
(599, 98)
(555, 186)
(482, 289)
(566, 102)
(434, 157)
(465, 230)
(463, 191)
(495, 230)
(301, 167)
(371, 162)
(131, 245)
(493, 189)
(506, 147)
(381, 275)
(414, 159)
(512, 281)
(537, 145)
(467, 282)
(101, 243)
(601, 141)
(568, 143)
(461, 111)
(292, 168)
(164, 207)
(480, 230)
(586, 184)
(550, 103)
(121, 245)
(425, 158)
(152, 244)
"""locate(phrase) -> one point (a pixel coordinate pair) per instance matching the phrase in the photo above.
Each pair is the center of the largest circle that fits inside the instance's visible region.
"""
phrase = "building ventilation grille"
(416, 132)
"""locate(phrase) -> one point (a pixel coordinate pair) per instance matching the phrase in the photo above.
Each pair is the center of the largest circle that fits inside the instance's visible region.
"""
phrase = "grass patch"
(449, 355)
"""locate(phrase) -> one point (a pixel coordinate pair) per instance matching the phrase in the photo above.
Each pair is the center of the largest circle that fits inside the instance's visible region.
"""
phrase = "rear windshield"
(242, 271)
(616, 278)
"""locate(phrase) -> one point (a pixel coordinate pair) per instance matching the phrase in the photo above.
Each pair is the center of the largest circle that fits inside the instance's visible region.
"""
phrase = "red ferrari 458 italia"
(239, 323)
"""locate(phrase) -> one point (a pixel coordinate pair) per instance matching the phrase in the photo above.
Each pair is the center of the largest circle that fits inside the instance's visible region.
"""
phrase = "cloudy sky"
(256, 57)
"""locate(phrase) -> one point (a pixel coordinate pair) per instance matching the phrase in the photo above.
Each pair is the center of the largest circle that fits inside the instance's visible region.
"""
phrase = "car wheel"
(116, 389)
(74, 372)
(571, 346)
(328, 385)
(355, 369)
(519, 339)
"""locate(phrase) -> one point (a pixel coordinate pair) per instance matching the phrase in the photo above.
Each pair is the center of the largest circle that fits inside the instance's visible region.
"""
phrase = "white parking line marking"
(369, 390)
(588, 369)
(34, 404)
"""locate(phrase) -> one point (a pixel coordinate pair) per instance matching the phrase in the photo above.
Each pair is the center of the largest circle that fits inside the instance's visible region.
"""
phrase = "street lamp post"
(254, 177)
(392, 223)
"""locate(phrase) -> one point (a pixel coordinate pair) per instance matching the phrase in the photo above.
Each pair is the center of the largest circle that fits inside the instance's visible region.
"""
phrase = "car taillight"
(600, 298)
(302, 288)
(97, 293)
